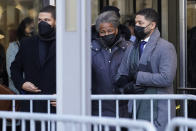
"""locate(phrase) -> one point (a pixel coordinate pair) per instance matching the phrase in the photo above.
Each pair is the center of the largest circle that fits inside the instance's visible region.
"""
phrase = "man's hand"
(53, 102)
(131, 88)
(121, 81)
(133, 76)
(30, 87)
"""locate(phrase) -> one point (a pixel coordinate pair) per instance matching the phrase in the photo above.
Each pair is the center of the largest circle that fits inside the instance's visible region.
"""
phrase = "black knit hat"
(111, 8)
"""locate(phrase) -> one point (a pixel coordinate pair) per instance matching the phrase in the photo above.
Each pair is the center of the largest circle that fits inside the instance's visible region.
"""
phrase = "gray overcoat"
(161, 56)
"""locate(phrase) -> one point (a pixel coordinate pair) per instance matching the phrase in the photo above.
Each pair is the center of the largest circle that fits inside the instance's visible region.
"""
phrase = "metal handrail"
(103, 97)
(28, 97)
(182, 123)
(143, 97)
(151, 97)
(79, 119)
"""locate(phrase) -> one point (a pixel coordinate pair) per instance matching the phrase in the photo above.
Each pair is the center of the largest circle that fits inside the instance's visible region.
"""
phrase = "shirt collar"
(146, 40)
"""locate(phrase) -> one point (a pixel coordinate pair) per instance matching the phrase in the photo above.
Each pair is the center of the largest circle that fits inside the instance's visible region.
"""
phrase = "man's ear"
(116, 31)
(154, 24)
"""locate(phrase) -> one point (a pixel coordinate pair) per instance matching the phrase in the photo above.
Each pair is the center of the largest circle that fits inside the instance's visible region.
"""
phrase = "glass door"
(191, 53)
(191, 43)
(12, 12)
(168, 11)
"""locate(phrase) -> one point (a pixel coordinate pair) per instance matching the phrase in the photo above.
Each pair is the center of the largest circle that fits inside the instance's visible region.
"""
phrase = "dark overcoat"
(27, 67)
(105, 63)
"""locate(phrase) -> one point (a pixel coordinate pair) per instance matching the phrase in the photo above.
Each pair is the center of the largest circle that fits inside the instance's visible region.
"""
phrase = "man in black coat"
(34, 68)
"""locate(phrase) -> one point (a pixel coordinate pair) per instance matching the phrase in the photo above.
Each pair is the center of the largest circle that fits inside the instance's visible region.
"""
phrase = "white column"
(52, 2)
(164, 19)
(73, 58)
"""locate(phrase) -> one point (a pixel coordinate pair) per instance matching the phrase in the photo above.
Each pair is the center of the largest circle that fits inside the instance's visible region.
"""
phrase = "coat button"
(109, 61)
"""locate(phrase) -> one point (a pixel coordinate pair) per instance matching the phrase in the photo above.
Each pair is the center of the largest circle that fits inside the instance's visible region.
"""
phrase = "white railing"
(183, 124)
(151, 98)
(100, 98)
(74, 123)
(29, 98)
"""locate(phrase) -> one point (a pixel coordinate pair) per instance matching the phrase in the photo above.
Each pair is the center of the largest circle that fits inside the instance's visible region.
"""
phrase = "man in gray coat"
(149, 67)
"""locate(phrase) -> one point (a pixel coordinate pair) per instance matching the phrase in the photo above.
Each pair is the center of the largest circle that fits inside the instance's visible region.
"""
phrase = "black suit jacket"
(27, 63)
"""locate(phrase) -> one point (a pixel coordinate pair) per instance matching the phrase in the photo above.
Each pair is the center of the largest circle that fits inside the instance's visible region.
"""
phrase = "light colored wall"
(191, 14)
(94, 10)
(164, 19)
(71, 15)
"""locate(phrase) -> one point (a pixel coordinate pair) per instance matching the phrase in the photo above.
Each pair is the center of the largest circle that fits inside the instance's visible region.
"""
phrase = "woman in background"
(25, 29)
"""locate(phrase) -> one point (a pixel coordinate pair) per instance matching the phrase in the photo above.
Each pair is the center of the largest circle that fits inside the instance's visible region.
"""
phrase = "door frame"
(183, 42)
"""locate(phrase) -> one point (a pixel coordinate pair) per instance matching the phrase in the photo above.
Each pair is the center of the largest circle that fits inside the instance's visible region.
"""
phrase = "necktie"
(142, 43)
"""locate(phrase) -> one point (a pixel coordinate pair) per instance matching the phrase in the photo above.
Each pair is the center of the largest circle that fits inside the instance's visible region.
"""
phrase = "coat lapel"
(150, 46)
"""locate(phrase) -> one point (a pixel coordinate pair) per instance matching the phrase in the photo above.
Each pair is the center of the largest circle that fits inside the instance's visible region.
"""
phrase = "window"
(11, 14)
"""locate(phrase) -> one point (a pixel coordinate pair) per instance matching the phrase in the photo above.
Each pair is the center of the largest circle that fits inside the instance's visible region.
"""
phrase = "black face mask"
(46, 31)
(139, 32)
(109, 40)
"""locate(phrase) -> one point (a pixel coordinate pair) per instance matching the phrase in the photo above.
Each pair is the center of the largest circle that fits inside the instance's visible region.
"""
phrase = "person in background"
(25, 29)
(192, 69)
(149, 64)
(3, 72)
(107, 52)
(131, 24)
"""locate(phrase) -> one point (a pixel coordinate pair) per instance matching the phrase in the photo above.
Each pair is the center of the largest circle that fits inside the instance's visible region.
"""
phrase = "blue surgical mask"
(132, 38)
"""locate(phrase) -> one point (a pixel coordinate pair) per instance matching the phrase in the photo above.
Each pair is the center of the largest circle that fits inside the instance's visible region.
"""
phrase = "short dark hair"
(132, 21)
(111, 8)
(50, 9)
(149, 14)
